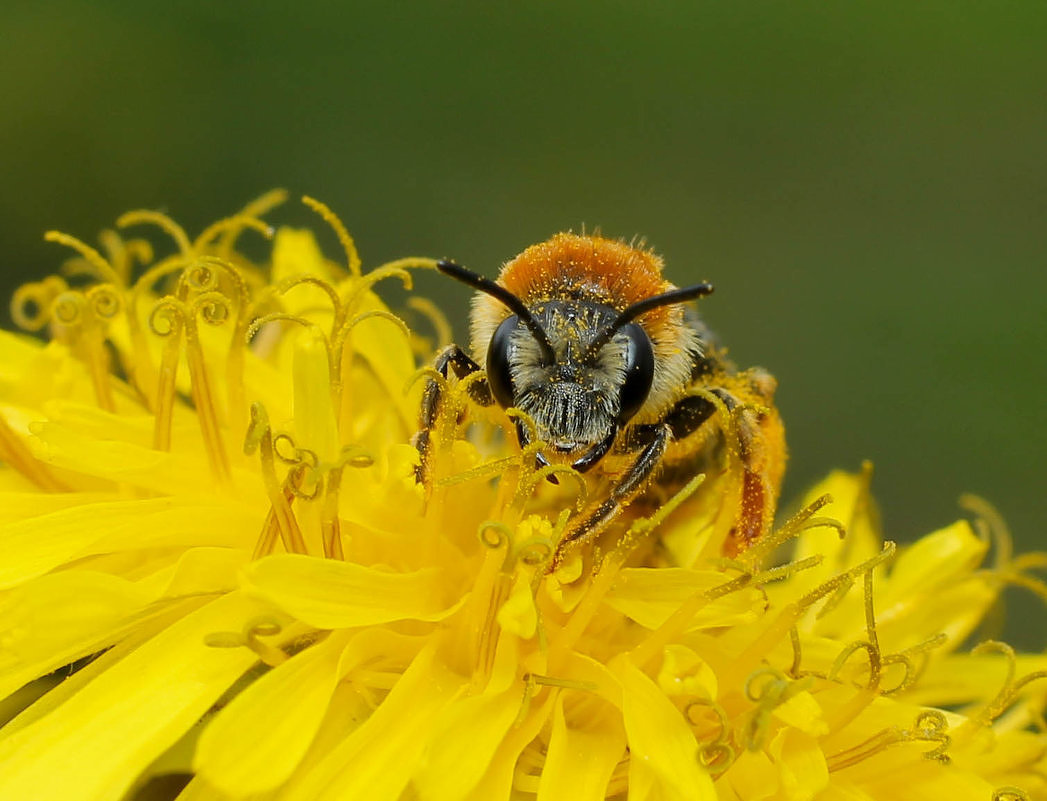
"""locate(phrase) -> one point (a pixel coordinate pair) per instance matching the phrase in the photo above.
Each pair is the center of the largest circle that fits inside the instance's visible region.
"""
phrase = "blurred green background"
(865, 183)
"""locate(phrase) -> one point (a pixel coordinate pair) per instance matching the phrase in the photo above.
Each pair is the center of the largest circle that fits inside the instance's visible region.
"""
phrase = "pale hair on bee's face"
(575, 402)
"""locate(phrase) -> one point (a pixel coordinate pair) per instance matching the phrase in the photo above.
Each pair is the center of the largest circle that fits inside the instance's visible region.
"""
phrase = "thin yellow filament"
(330, 523)
(161, 221)
(238, 223)
(207, 305)
(256, 208)
(167, 320)
(794, 526)
(991, 526)
(437, 319)
(259, 437)
(930, 726)
(122, 254)
(1007, 694)
(348, 245)
(101, 265)
(486, 470)
(234, 289)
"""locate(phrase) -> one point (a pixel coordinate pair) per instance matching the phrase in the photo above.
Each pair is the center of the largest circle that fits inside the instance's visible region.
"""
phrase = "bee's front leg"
(653, 440)
(456, 359)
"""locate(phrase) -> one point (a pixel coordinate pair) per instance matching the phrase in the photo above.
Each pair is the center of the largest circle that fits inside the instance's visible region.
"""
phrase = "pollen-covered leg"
(756, 439)
(628, 487)
(452, 358)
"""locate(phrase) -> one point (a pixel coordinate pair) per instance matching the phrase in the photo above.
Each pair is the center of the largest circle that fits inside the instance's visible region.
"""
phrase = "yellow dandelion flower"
(217, 561)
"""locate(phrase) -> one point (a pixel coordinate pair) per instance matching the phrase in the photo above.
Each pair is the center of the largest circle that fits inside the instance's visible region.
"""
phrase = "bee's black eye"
(499, 376)
(639, 370)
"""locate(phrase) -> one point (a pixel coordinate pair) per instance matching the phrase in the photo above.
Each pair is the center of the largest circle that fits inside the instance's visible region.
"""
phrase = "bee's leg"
(456, 359)
(759, 443)
(653, 440)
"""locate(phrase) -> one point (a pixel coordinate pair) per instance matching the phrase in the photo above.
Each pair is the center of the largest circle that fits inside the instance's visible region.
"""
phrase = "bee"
(585, 336)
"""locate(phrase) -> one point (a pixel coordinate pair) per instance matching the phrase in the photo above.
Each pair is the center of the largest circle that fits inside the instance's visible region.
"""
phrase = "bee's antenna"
(502, 294)
(641, 307)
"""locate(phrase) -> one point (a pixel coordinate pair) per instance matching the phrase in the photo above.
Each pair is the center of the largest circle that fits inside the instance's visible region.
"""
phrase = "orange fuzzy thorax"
(612, 271)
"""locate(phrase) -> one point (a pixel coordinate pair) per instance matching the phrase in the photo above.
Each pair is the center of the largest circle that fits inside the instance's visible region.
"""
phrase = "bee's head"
(580, 369)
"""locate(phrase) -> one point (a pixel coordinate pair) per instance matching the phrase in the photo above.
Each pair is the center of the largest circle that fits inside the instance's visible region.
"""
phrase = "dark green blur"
(865, 183)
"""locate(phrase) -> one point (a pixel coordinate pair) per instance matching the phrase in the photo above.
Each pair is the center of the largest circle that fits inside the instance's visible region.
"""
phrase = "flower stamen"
(930, 726)
(259, 437)
(161, 221)
(352, 256)
(250, 637)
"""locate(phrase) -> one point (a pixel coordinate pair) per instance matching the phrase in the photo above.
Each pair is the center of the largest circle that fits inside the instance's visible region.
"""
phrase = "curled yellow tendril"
(768, 688)
(281, 519)
(930, 726)
(1010, 793)
(31, 302)
(718, 754)
(251, 637)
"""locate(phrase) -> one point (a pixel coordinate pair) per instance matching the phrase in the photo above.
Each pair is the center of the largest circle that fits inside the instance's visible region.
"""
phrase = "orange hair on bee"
(620, 274)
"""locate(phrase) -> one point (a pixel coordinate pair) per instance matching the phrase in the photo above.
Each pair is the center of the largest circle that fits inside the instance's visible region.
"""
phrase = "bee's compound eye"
(499, 376)
(639, 370)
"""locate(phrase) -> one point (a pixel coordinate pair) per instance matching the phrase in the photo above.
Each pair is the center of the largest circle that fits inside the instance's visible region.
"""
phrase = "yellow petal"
(953, 611)
(502, 777)
(650, 595)
(663, 751)
(803, 712)
(200, 571)
(453, 763)
(580, 761)
(199, 790)
(33, 547)
(518, 614)
(801, 764)
(683, 672)
(388, 353)
(255, 742)
(160, 472)
(96, 743)
(964, 678)
(753, 776)
(851, 506)
(16, 506)
(314, 415)
(377, 760)
(295, 253)
(330, 594)
(56, 619)
(933, 561)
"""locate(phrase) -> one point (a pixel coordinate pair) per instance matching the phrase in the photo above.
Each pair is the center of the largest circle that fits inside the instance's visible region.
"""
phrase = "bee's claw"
(539, 462)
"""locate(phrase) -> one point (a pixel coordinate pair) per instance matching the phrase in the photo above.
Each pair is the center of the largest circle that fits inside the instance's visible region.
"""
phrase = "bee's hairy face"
(581, 398)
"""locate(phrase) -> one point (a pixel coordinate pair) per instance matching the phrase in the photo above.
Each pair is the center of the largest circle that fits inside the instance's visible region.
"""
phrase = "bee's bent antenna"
(502, 294)
(641, 307)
